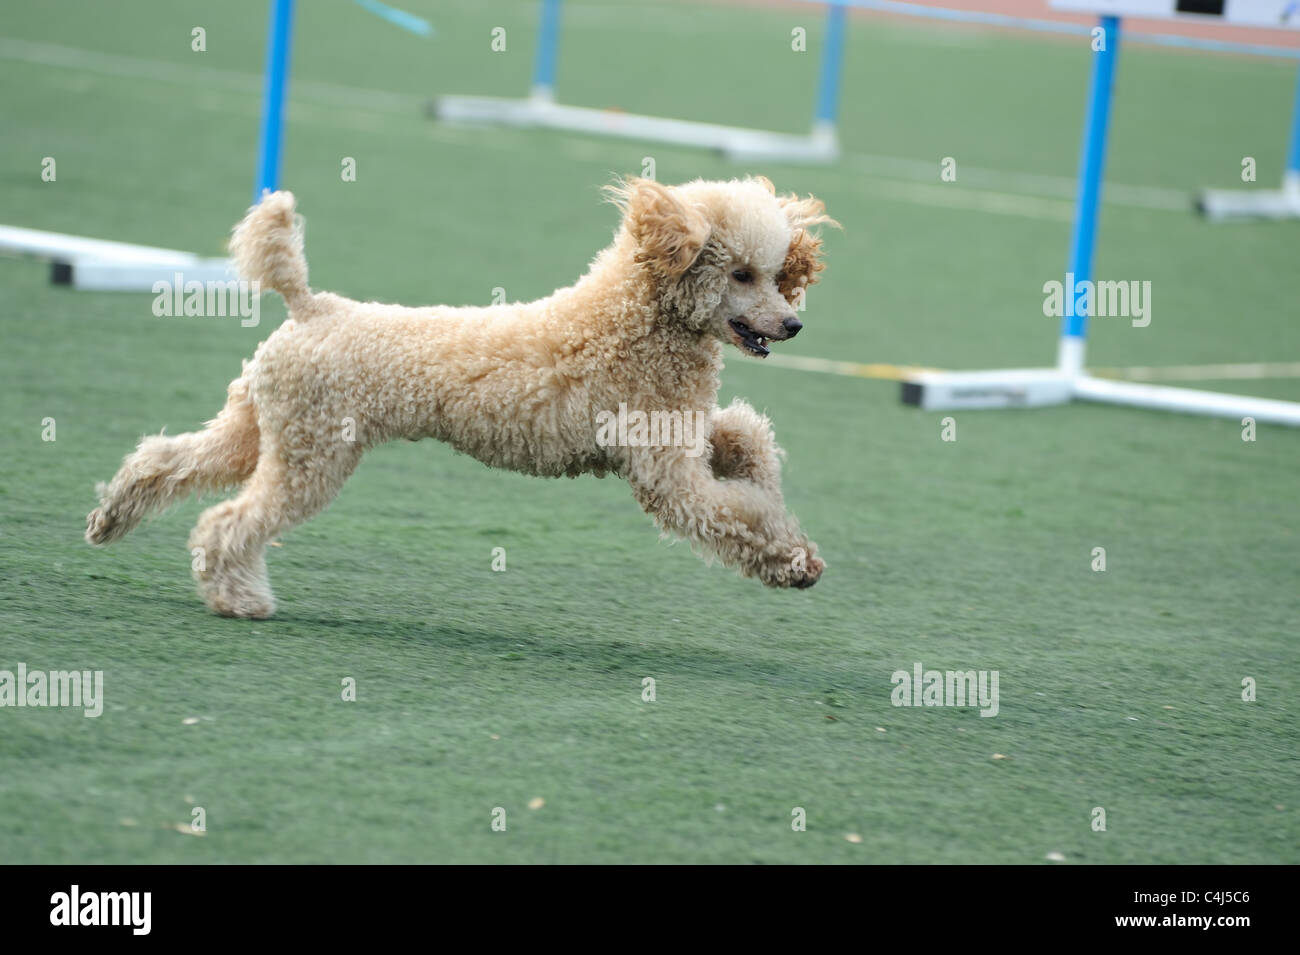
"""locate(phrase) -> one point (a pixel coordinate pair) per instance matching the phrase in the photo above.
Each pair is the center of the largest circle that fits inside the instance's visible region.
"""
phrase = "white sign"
(1283, 14)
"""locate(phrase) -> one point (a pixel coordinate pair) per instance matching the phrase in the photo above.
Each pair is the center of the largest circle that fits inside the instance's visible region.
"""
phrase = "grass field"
(477, 689)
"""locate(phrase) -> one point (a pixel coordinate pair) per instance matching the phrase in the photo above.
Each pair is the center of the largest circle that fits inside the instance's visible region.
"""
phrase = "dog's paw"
(799, 568)
(810, 574)
(249, 606)
(101, 527)
(233, 597)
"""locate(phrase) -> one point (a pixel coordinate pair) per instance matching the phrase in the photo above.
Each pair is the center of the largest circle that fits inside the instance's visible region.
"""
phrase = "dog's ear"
(669, 233)
(803, 260)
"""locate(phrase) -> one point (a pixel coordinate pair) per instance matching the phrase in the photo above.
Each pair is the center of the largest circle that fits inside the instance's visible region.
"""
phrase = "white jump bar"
(1187, 400)
(67, 248)
(103, 265)
(734, 141)
(1038, 387)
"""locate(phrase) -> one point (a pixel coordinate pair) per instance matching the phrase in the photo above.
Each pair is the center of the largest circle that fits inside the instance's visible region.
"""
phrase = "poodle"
(520, 386)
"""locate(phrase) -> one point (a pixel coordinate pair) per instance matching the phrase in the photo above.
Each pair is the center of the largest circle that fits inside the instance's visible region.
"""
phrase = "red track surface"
(1039, 10)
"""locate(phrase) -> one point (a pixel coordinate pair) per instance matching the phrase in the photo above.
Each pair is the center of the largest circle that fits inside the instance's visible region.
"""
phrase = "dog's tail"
(267, 248)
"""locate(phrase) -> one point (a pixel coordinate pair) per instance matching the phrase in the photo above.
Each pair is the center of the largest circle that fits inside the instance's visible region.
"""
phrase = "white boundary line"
(1249, 371)
(849, 369)
(1027, 183)
(1246, 371)
(207, 77)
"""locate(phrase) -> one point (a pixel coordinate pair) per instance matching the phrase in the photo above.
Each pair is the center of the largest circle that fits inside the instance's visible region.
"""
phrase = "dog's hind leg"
(229, 542)
(166, 468)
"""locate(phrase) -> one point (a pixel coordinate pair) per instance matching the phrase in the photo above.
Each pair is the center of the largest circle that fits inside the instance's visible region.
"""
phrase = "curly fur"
(516, 386)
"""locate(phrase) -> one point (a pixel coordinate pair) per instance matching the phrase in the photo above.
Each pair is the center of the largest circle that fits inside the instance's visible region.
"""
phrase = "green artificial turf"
(480, 689)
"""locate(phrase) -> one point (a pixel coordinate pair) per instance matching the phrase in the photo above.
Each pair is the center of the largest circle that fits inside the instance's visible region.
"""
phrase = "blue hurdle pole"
(1092, 161)
(278, 42)
(548, 42)
(1293, 155)
(828, 84)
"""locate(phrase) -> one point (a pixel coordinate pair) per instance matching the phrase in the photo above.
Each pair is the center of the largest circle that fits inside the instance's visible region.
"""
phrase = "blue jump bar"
(278, 42)
(1092, 161)
(828, 86)
(1293, 156)
(548, 42)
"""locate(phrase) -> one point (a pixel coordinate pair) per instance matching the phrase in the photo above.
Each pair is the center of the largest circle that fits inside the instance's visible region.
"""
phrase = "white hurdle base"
(100, 275)
(982, 390)
(1037, 387)
(1226, 205)
(822, 146)
(105, 265)
(1187, 400)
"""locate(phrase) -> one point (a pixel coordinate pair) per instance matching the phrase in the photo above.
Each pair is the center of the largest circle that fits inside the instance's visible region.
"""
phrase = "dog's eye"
(743, 275)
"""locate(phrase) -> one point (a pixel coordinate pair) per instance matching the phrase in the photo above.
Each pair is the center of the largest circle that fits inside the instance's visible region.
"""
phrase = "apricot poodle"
(523, 386)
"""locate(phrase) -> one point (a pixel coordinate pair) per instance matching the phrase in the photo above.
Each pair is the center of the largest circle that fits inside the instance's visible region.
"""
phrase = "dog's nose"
(791, 326)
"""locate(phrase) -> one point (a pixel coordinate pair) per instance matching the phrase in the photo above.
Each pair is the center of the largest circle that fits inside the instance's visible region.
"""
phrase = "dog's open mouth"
(749, 339)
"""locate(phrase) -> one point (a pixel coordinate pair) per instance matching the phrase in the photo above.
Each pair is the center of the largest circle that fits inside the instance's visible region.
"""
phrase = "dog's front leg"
(744, 447)
(743, 523)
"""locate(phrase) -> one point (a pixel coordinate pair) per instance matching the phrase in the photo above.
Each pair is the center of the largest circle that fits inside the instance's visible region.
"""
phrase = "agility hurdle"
(1222, 205)
(1034, 387)
(540, 109)
(103, 265)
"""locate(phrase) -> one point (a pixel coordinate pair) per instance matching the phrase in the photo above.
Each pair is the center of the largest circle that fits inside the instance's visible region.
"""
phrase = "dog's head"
(728, 259)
